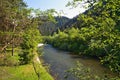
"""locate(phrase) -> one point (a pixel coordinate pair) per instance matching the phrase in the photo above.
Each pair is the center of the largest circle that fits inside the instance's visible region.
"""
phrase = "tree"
(14, 18)
(98, 33)
(104, 17)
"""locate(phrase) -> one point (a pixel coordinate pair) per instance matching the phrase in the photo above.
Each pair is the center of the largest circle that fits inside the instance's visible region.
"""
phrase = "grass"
(40, 70)
(32, 71)
(42, 73)
(24, 72)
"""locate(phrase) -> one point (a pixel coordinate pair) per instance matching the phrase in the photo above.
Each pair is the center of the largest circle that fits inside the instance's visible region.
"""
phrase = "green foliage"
(82, 73)
(8, 60)
(31, 38)
(98, 34)
(26, 57)
(91, 41)
(14, 18)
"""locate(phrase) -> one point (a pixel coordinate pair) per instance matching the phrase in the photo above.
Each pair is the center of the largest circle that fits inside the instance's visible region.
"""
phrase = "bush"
(31, 38)
(9, 60)
(26, 57)
(81, 73)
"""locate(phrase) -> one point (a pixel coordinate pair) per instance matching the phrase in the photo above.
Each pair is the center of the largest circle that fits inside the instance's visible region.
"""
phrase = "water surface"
(60, 61)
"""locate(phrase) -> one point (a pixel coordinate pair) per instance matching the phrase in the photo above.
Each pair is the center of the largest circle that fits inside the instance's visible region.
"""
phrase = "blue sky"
(58, 5)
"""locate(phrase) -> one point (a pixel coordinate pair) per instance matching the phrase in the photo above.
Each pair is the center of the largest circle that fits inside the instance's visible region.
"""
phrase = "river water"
(59, 61)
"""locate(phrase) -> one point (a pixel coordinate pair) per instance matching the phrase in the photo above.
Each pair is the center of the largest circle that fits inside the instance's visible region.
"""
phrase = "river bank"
(60, 61)
(32, 71)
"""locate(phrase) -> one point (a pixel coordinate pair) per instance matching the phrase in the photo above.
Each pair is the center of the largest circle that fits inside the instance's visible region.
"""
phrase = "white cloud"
(73, 12)
(70, 13)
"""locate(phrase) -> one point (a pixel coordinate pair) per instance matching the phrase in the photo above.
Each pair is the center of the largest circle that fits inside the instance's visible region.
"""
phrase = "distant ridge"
(48, 28)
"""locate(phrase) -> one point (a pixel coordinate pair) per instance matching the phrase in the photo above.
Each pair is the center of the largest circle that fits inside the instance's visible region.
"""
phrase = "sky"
(58, 5)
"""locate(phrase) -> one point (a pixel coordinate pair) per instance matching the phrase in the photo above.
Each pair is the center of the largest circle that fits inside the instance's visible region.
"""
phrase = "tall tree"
(13, 19)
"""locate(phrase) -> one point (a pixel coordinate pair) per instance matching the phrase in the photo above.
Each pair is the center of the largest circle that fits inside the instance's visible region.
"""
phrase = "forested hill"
(78, 21)
(49, 28)
(69, 24)
(62, 23)
(75, 21)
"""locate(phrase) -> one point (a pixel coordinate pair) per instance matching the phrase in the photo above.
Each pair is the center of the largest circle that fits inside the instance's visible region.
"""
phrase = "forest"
(94, 33)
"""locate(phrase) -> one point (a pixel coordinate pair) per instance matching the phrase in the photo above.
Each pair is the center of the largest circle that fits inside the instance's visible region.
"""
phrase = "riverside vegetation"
(97, 34)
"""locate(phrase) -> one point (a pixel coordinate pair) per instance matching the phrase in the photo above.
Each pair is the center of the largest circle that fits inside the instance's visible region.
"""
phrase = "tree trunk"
(13, 47)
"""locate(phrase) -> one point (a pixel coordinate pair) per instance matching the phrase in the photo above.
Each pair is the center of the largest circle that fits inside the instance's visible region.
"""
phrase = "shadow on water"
(60, 61)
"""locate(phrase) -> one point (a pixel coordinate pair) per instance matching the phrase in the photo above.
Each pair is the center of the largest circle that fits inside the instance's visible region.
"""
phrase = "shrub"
(9, 60)
(26, 57)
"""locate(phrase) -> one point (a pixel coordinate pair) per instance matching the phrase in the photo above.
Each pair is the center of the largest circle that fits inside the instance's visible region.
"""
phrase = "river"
(59, 61)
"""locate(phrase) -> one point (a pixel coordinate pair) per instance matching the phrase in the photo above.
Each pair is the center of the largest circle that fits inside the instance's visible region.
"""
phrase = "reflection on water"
(60, 61)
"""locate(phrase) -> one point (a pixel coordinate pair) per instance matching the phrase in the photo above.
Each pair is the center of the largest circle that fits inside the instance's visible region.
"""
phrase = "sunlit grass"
(40, 70)
(24, 72)
(32, 71)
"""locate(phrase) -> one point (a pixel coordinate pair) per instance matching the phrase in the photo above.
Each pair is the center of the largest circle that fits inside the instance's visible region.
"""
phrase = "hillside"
(49, 28)
(62, 23)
